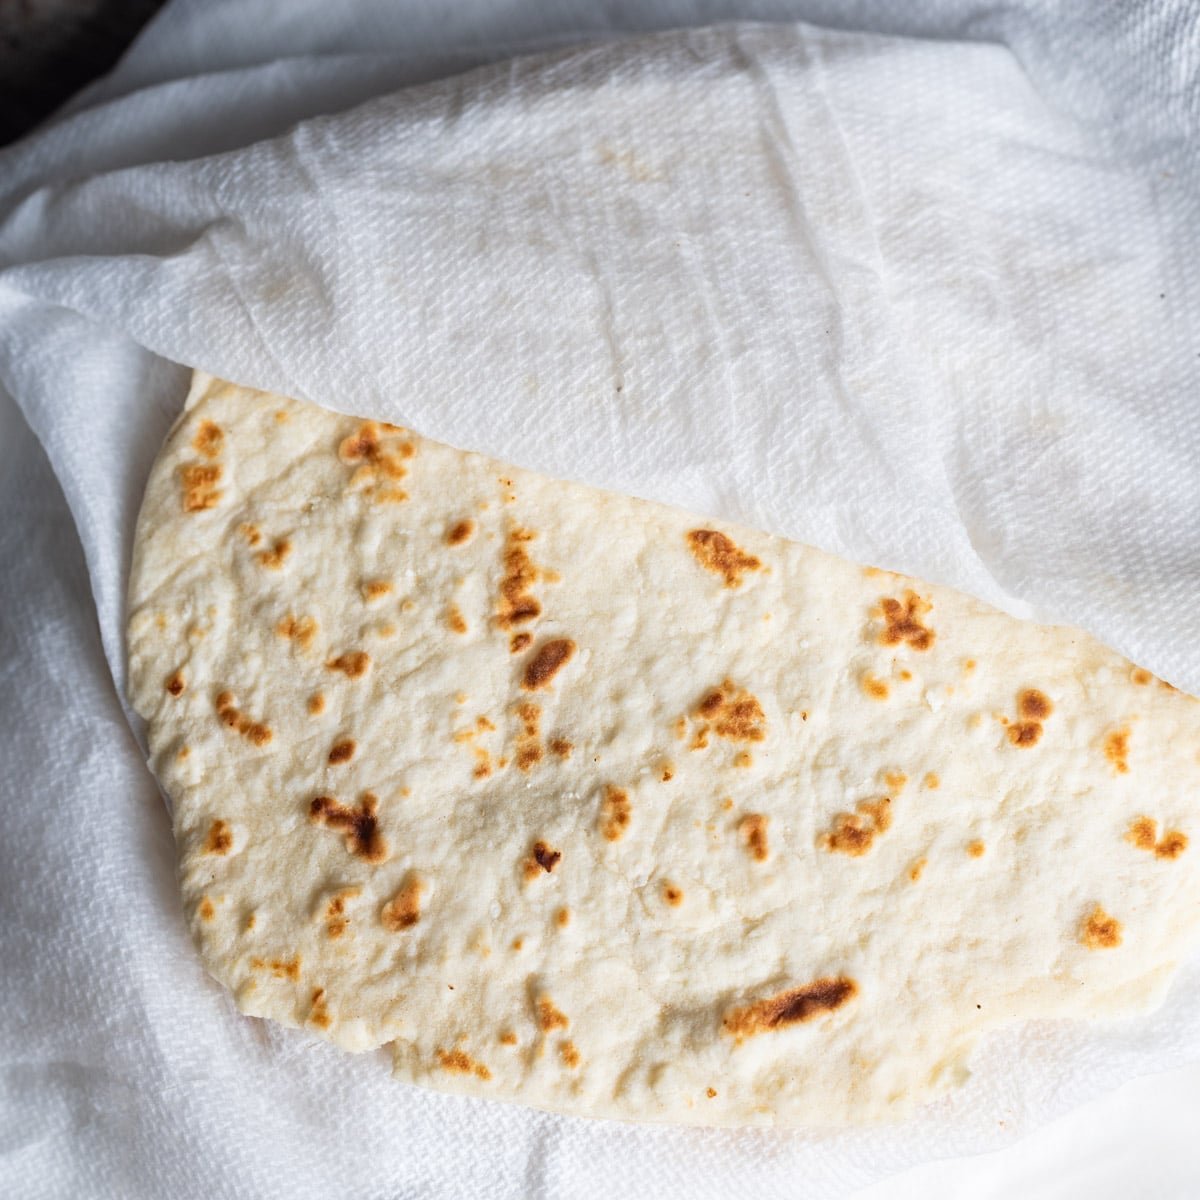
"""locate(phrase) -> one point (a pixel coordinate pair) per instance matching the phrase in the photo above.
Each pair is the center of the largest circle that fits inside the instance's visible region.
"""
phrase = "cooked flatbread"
(588, 803)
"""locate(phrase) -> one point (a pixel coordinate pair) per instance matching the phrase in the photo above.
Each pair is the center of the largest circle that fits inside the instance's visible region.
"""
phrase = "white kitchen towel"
(916, 301)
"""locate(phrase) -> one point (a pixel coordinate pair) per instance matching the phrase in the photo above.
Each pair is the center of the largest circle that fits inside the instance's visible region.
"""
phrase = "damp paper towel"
(925, 302)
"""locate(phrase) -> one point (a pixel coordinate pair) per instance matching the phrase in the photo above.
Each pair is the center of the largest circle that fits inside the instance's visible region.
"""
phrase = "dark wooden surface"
(49, 49)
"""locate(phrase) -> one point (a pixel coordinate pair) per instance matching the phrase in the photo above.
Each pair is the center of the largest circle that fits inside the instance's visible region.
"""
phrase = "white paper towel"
(898, 298)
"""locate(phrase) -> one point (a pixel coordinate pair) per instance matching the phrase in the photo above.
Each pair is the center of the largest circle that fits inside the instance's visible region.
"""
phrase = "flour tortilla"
(591, 804)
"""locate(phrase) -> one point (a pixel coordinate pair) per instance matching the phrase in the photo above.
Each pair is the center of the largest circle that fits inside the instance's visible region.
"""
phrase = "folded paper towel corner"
(586, 802)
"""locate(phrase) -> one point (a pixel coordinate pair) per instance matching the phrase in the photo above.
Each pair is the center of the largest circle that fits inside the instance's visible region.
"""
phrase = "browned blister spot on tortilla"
(454, 620)
(219, 839)
(731, 712)
(615, 813)
(360, 825)
(549, 658)
(549, 1017)
(251, 533)
(1140, 676)
(342, 752)
(560, 747)
(875, 687)
(1025, 733)
(281, 968)
(562, 918)
(752, 829)
(720, 554)
(318, 1013)
(233, 718)
(199, 485)
(1033, 705)
(855, 833)
(529, 743)
(896, 781)
(460, 532)
(206, 909)
(743, 759)
(334, 914)
(569, 1054)
(403, 910)
(976, 848)
(508, 1038)
(300, 630)
(672, 894)
(274, 558)
(354, 664)
(1143, 834)
(711, 1093)
(903, 621)
(1099, 931)
(519, 641)
(1116, 750)
(542, 860)
(375, 589)
(789, 1008)
(916, 870)
(175, 683)
(931, 781)
(209, 439)
(316, 704)
(516, 604)
(668, 772)
(459, 1062)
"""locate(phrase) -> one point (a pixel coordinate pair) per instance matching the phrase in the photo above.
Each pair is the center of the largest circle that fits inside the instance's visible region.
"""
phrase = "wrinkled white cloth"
(929, 302)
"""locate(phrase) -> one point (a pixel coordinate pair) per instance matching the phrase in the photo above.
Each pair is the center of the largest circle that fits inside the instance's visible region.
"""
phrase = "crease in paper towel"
(935, 342)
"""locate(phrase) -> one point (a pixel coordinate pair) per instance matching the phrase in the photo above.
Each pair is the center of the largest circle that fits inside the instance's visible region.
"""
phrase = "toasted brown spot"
(734, 714)
(459, 1062)
(976, 848)
(403, 910)
(518, 944)
(855, 833)
(668, 773)
(281, 968)
(711, 1093)
(199, 483)
(543, 858)
(354, 664)
(251, 921)
(896, 781)
(790, 1007)
(1025, 733)
(460, 532)
(519, 641)
(508, 1038)
(904, 622)
(672, 895)
(516, 605)
(717, 553)
(569, 1054)
(336, 921)
(318, 1013)
(1140, 676)
(932, 781)
(375, 589)
(454, 619)
(743, 759)
(208, 439)
(233, 718)
(342, 752)
(360, 825)
(1099, 931)
(1143, 833)
(301, 630)
(549, 1017)
(1116, 750)
(316, 704)
(1033, 705)
(614, 813)
(906, 674)
(251, 533)
(917, 869)
(219, 839)
(206, 910)
(176, 683)
(875, 688)
(274, 558)
(529, 746)
(549, 658)
(562, 918)
(752, 829)
(560, 747)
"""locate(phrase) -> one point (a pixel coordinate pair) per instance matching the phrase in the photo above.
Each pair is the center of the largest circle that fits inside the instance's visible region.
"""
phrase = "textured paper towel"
(890, 297)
